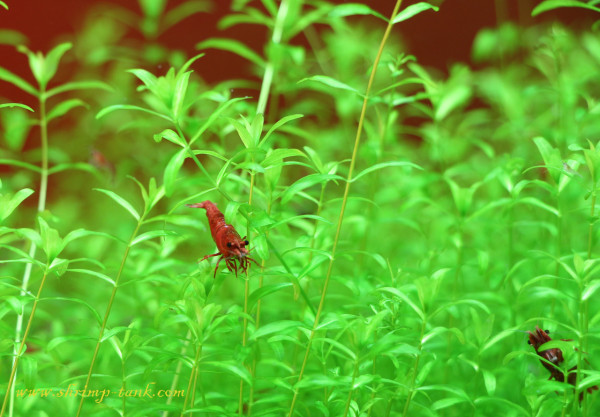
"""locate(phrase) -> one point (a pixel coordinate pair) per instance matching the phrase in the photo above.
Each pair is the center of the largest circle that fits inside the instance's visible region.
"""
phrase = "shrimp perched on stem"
(231, 246)
(555, 356)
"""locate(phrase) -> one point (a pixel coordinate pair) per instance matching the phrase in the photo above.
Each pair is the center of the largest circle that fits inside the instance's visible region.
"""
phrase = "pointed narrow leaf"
(278, 327)
(110, 109)
(236, 47)
(171, 171)
(151, 235)
(213, 116)
(354, 9)
(63, 107)
(180, 90)
(278, 124)
(7, 207)
(120, 201)
(17, 81)
(262, 292)
(23, 106)
(52, 60)
(171, 136)
(146, 77)
(412, 10)
(385, 165)
(330, 82)
(555, 4)
(396, 292)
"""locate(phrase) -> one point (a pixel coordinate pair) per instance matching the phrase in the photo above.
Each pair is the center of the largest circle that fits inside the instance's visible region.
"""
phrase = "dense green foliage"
(409, 230)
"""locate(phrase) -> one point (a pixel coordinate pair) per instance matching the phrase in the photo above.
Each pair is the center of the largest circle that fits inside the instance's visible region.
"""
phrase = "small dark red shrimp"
(554, 356)
(231, 246)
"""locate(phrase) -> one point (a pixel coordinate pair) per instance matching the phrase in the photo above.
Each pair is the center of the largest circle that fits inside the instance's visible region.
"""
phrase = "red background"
(436, 39)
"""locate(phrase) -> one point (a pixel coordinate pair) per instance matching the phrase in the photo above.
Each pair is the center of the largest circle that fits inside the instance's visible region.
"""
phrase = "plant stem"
(349, 400)
(270, 67)
(193, 376)
(415, 370)
(178, 371)
(344, 202)
(13, 372)
(10, 392)
(246, 294)
(107, 313)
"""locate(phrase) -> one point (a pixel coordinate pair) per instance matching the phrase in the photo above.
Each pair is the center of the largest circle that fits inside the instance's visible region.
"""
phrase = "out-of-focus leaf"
(556, 4)
(412, 10)
(236, 47)
(63, 107)
(120, 201)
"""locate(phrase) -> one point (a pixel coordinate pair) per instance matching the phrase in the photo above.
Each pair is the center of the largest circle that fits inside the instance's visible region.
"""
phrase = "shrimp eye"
(547, 331)
(228, 244)
(246, 242)
(529, 342)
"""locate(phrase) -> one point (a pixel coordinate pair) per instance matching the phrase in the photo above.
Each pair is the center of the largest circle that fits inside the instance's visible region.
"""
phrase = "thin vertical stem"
(246, 295)
(351, 391)
(10, 393)
(343, 208)
(13, 372)
(107, 313)
(191, 381)
(415, 371)
(270, 67)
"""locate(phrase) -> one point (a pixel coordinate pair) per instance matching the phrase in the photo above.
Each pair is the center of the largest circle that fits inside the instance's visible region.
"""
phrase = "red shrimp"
(231, 246)
(555, 356)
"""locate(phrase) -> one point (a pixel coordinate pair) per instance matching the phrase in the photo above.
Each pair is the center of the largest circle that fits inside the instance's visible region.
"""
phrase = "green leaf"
(21, 164)
(489, 380)
(147, 78)
(262, 292)
(305, 182)
(385, 165)
(17, 82)
(330, 82)
(171, 136)
(8, 204)
(55, 342)
(23, 106)
(236, 47)
(590, 289)
(120, 201)
(28, 365)
(280, 327)
(151, 235)
(278, 124)
(213, 116)
(354, 9)
(180, 90)
(51, 241)
(277, 155)
(114, 107)
(396, 292)
(94, 274)
(4, 5)
(412, 10)
(171, 171)
(555, 4)
(113, 332)
(243, 132)
(63, 107)
(51, 62)
(234, 368)
(451, 100)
